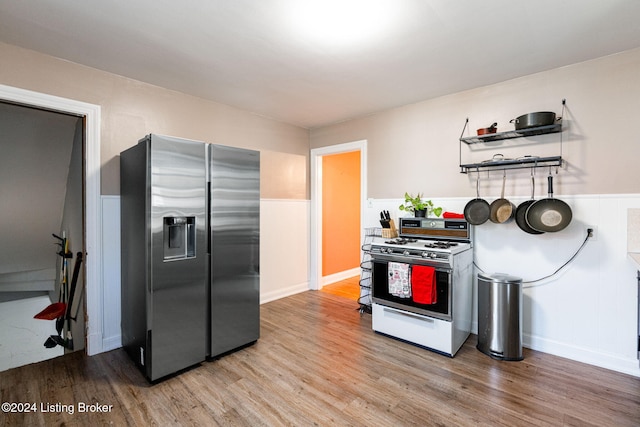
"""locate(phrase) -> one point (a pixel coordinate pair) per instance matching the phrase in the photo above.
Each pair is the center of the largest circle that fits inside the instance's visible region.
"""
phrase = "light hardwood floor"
(318, 363)
(347, 288)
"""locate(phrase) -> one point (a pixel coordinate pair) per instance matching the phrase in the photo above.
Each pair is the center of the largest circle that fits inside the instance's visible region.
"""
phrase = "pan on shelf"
(532, 120)
(491, 129)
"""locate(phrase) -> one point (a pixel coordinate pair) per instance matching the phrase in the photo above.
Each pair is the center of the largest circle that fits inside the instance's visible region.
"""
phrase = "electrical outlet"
(594, 233)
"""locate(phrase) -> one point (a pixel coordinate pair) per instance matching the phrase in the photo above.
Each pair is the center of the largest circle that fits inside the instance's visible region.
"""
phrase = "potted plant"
(419, 206)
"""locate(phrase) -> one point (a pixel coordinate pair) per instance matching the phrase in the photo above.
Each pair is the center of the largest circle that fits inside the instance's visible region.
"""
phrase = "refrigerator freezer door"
(164, 254)
(235, 240)
(178, 284)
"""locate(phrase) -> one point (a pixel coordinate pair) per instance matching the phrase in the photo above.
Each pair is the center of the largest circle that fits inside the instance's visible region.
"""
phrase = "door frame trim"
(93, 217)
(315, 250)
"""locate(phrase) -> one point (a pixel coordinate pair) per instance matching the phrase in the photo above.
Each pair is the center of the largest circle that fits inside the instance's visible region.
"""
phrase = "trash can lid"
(500, 278)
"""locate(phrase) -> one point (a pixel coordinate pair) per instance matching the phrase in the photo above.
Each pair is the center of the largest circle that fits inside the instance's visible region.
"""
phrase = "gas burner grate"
(440, 245)
(400, 241)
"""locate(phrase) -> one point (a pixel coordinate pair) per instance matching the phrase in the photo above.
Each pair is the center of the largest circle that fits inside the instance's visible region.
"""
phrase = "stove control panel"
(416, 253)
(431, 255)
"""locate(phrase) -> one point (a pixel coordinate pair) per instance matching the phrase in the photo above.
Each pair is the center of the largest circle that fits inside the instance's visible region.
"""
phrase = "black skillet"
(477, 211)
(521, 211)
(549, 215)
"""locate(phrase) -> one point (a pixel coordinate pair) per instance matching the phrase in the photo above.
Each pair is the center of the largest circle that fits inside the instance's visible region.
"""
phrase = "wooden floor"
(318, 363)
(347, 288)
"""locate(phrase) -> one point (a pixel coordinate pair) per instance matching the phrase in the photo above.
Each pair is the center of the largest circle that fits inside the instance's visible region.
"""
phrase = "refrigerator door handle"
(208, 222)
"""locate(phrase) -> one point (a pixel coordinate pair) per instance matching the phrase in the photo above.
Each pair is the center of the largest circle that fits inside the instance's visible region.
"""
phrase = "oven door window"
(381, 293)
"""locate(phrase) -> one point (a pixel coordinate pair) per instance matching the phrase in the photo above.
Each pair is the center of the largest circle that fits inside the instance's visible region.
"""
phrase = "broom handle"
(74, 280)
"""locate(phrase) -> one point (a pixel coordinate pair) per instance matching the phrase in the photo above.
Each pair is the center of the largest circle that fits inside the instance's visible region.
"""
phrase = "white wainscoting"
(284, 257)
(110, 274)
(284, 248)
(588, 311)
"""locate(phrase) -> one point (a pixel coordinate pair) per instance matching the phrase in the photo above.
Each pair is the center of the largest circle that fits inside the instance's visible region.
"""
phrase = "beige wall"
(415, 148)
(131, 109)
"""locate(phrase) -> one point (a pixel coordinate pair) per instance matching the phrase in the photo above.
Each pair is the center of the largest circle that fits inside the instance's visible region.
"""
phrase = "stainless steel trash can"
(500, 316)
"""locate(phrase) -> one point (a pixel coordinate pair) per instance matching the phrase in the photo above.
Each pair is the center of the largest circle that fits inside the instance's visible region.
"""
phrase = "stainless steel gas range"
(423, 283)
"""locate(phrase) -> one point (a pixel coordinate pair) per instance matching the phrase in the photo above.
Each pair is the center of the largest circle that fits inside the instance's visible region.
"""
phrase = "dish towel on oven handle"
(399, 280)
(423, 284)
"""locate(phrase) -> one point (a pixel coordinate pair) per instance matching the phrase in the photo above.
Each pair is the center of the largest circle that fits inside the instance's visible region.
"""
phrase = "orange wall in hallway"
(340, 212)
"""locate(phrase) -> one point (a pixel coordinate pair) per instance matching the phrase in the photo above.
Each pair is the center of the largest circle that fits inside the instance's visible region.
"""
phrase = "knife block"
(391, 232)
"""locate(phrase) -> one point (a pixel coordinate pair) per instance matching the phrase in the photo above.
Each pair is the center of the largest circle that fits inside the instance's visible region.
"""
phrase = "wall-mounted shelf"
(539, 130)
(520, 163)
(525, 162)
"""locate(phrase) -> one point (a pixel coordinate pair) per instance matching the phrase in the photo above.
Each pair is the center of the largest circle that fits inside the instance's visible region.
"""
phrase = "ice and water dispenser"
(179, 237)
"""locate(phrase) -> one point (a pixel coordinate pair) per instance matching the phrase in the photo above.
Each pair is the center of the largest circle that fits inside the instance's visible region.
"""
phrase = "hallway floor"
(21, 336)
(347, 288)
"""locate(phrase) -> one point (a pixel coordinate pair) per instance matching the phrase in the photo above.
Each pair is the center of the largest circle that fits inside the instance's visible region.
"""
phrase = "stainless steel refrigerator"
(190, 252)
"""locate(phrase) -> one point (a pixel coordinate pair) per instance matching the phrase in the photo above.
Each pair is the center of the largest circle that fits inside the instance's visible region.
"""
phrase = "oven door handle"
(409, 314)
(439, 266)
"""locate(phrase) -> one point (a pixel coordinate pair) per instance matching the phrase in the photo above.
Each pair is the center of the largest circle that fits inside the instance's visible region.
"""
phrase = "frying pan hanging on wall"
(550, 214)
(521, 211)
(501, 210)
(477, 211)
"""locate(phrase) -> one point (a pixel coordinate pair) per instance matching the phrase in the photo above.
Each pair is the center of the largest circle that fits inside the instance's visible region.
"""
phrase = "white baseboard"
(284, 292)
(94, 344)
(608, 361)
(112, 343)
(337, 277)
(579, 354)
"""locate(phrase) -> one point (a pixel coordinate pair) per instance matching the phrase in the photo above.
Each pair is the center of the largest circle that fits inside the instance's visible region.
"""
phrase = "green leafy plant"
(417, 203)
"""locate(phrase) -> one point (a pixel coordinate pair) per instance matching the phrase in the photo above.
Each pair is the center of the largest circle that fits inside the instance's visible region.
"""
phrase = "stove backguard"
(436, 229)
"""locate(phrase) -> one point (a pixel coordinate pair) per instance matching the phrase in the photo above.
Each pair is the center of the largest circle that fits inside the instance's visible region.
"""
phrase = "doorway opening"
(90, 115)
(41, 183)
(316, 281)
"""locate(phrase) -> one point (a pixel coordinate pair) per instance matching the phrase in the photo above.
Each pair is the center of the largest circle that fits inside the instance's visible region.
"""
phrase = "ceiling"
(312, 67)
